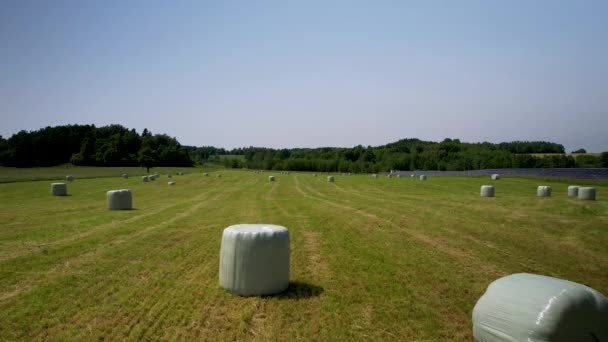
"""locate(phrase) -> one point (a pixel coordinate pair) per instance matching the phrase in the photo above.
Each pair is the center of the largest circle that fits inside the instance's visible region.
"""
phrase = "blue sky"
(310, 73)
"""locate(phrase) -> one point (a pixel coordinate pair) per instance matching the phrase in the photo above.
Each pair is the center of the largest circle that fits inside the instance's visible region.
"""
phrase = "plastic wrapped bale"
(271, 178)
(586, 193)
(69, 178)
(422, 177)
(315, 175)
(254, 259)
(543, 191)
(125, 176)
(389, 176)
(398, 176)
(330, 179)
(412, 176)
(205, 174)
(171, 183)
(145, 179)
(120, 199)
(375, 175)
(59, 189)
(572, 190)
(531, 307)
(495, 176)
(487, 191)
(169, 175)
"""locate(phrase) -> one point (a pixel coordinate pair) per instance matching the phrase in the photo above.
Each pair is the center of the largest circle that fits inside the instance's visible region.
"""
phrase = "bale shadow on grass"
(299, 290)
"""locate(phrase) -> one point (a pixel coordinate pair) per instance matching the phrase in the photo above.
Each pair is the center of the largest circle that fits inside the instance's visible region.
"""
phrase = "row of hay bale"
(583, 193)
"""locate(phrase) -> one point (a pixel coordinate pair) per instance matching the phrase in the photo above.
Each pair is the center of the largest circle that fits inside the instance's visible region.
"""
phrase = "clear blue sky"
(310, 73)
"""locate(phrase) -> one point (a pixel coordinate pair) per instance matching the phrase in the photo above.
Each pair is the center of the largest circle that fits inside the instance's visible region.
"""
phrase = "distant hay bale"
(206, 174)
(120, 199)
(59, 189)
(586, 193)
(69, 178)
(125, 176)
(389, 176)
(375, 175)
(398, 176)
(495, 176)
(254, 259)
(573, 190)
(145, 179)
(412, 175)
(219, 175)
(422, 177)
(532, 307)
(169, 175)
(180, 173)
(152, 177)
(330, 179)
(487, 191)
(543, 191)
(171, 183)
(314, 175)
(271, 178)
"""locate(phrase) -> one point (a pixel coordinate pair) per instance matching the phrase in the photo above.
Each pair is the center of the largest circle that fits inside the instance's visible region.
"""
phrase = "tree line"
(112, 145)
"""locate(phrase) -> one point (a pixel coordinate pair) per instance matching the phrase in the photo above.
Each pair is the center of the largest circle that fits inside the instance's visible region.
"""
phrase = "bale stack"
(120, 199)
(586, 193)
(59, 189)
(572, 190)
(487, 191)
(254, 259)
(543, 191)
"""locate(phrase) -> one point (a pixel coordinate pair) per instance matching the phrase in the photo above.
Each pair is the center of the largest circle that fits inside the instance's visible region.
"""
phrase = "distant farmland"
(371, 259)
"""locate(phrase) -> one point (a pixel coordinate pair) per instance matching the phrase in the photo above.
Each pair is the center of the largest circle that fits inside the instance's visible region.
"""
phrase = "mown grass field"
(372, 259)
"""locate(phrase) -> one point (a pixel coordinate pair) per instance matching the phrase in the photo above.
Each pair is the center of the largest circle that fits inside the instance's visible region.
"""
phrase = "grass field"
(372, 259)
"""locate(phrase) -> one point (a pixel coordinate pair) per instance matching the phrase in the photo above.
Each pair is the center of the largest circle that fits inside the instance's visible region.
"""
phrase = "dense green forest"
(116, 145)
(112, 145)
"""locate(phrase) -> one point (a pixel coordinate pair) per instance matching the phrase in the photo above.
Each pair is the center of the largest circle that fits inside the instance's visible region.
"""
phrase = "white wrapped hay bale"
(125, 176)
(586, 193)
(530, 307)
(170, 183)
(315, 175)
(487, 191)
(422, 177)
(206, 174)
(254, 259)
(59, 189)
(169, 175)
(412, 176)
(120, 199)
(495, 176)
(145, 179)
(398, 176)
(572, 190)
(271, 178)
(389, 176)
(330, 179)
(543, 191)
(375, 175)
(69, 178)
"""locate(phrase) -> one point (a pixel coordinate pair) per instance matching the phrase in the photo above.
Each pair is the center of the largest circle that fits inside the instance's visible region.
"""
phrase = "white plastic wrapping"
(586, 193)
(145, 179)
(572, 190)
(59, 189)
(120, 199)
(422, 177)
(375, 175)
(330, 179)
(487, 191)
(535, 308)
(271, 178)
(125, 176)
(254, 259)
(495, 176)
(543, 191)
(171, 183)
(69, 178)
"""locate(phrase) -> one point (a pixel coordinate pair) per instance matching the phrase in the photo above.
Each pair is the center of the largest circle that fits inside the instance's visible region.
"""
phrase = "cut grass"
(371, 259)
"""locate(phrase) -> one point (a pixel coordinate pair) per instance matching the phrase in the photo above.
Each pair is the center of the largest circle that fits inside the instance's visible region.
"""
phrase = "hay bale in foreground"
(330, 179)
(572, 190)
(145, 179)
(254, 259)
(59, 189)
(171, 183)
(487, 191)
(271, 178)
(543, 191)
(586, 193)
(422, 177)
(120, 199)
(69, 178)
(531, 307)
(495, 176)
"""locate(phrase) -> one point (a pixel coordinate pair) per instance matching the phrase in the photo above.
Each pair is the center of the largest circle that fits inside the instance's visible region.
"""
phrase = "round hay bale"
(219, 176)
(398, 176)
(543, 191)
(330, 179)
(59, 189)
(125, 176)
(69, 178)
(315, 175)
(120, 199)
(422, 177)
(145, 179)
(171, 183)
(271, 178)
(206, 174)
(412, 175)
(169, 175)
(375, 175)
(487, 191)
(586, 193)
(532, 307)
(572, 190)
(254, 259)
(389, 176)
(495, 176)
